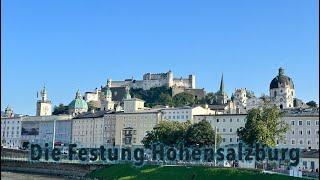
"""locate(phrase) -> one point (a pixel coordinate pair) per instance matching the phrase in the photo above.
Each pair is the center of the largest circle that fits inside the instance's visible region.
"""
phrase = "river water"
(23, 176)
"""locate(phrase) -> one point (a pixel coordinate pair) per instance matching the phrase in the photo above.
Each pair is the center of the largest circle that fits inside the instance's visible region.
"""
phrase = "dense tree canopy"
(201, 134)
(312, 104)
(93, 105)
(172, 133)
(263, 126)
(183, 99)
(152, 96)
(163, 96)
(167, 132)
(61, 109)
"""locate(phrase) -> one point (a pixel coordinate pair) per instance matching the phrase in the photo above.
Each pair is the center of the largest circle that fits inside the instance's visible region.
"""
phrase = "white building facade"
(11, 132)
(183, 114)
(303, 130)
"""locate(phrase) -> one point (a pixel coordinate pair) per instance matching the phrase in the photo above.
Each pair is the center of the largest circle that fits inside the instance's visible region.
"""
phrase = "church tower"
(44, 106)
(282, 91)
(8, 112)
(221, 95)
(107, 103)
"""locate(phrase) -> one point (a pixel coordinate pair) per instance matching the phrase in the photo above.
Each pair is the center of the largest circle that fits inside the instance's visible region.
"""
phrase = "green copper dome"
(78, 103)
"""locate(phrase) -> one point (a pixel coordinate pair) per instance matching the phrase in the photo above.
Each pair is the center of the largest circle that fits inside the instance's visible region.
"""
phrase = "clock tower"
(44, 106)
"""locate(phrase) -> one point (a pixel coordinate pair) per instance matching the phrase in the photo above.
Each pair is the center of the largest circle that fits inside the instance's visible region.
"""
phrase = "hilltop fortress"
(151, 80)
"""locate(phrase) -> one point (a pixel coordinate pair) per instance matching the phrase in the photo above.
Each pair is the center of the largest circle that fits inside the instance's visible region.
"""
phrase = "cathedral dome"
(281, 81)
(78, 103)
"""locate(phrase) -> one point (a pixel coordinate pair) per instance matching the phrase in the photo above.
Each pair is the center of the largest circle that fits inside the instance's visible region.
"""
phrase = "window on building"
(237, 120)
(223, 139)
(309, 132)
(292, 123)
(224, 120)
(309, 142)
(237, 139)
(300, 123)
(301, 141)
(217, 129)
(308, 123)
(230, 139)
(317, 123)
(293, 141)
(224, 130)
(300, 132)
(292, 131)
(230, 129)
(217, 120)
(305, 164)
(231, 120)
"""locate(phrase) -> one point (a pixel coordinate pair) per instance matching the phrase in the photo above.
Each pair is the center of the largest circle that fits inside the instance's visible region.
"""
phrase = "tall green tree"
(263, 126)
(167, 132)
(172, 133)
(201, 134)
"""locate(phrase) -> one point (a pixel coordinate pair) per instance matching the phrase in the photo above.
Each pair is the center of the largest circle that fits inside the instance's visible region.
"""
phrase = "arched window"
(281, 106)
(275, 93)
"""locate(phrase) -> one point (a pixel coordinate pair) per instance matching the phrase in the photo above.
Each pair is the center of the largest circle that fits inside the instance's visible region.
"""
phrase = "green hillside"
(128, 171)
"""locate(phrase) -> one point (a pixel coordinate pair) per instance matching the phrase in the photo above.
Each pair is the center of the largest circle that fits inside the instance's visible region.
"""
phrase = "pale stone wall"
(226, 125)
(44, 108)
(110, 128)
(303, 133)
(139, 123)
(91, 96)
(88, 132)
(133, 105)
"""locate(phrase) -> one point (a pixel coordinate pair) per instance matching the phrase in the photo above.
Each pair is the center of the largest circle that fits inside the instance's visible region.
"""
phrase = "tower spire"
(222, 84)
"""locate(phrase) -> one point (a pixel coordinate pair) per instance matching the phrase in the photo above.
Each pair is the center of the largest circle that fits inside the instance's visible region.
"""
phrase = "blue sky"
(78, 44)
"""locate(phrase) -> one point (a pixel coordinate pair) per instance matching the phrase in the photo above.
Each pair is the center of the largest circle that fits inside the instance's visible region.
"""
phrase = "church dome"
(78, 103)
(281, 80)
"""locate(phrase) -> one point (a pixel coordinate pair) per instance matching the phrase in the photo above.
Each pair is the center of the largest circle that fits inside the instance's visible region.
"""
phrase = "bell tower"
(44, 106)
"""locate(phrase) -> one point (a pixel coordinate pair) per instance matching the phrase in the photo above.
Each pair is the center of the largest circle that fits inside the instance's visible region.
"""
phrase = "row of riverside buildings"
(126, 122)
